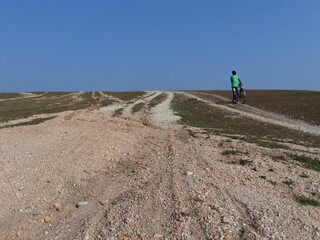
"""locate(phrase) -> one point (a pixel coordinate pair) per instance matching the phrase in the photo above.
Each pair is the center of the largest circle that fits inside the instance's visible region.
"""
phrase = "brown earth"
(89, 175)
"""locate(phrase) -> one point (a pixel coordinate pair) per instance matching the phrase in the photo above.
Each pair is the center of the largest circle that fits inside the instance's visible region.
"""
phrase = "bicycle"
(241, 95)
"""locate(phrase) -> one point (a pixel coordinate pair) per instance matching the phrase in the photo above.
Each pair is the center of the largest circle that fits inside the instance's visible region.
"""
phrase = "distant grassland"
(301, 105)
(10, 95)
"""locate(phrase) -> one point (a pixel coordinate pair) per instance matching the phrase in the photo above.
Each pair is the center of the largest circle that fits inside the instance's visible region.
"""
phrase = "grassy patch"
(137, 107)
(118, 112)
(263, 177)
(32, 122)
(231, 152)
(125, 96)
(308, 162)
(288, 182)
(274, 183)
(158, 99)
(278, 158)
(307, 201)
(271, 145)
(304, 176)
(245, 162)
(217, 121)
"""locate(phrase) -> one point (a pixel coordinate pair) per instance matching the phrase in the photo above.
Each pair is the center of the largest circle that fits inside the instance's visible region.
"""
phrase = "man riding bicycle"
(235, 84)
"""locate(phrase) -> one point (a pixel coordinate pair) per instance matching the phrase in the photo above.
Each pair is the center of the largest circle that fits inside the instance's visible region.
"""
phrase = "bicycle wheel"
(242, 96)
(237, 96)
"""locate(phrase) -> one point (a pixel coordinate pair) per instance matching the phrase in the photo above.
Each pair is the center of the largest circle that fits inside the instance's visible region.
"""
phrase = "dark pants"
(234, 93)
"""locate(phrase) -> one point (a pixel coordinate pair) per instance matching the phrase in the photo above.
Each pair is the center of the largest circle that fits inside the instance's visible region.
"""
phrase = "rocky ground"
(87, 174)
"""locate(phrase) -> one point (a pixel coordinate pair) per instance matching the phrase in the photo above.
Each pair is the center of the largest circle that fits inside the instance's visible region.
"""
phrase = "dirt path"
(127, 111)
(135, 181)
(160, 116)
(261, 115)
(163, 116)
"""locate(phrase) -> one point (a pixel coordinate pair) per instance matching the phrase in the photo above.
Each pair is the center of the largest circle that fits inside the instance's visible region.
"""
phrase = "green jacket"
(235, 80)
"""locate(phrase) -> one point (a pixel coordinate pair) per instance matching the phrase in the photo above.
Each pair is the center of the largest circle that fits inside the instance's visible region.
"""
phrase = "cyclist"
(235, 83)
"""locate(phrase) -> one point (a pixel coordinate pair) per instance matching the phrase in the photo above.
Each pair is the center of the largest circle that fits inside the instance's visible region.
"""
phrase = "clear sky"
(128, 45)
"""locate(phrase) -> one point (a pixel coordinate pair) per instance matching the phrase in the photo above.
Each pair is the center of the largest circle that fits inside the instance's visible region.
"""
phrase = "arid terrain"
(156, 165)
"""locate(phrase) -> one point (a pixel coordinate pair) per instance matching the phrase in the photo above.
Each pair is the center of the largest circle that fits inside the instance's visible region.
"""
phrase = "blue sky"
(129, 45)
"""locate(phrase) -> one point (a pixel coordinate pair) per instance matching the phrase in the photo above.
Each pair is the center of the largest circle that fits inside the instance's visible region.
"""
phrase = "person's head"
(234, 72)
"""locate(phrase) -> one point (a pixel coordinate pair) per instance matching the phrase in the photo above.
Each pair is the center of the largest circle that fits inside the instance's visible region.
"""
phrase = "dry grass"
(137, 107)
(308, 162)
(31, 122)
(233, 152)
(307, 201)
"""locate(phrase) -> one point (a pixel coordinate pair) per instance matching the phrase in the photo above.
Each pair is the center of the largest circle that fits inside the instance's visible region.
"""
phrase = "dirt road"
(89, 175)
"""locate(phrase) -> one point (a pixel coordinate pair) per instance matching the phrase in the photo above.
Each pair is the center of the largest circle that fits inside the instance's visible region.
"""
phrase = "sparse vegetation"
(263, 177)
(271, 145)
(308, 162)
(118, 112)
(307, 201)
(232, 152)
(270, 170)
(31, 122)
(245, 162)
(278, 158)
(137, 107)
(304, 176)
(274, 183)
(288, 182)
(158, 99)
(229, 152)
